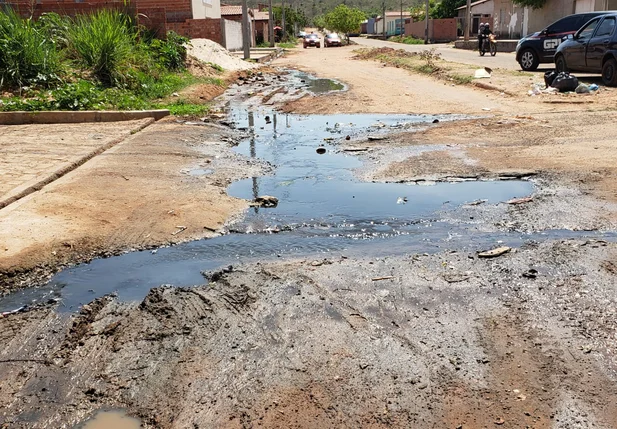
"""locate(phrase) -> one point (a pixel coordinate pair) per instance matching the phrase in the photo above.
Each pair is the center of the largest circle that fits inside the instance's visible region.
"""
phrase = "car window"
(563, 25)
(606, 28)
(586, 32)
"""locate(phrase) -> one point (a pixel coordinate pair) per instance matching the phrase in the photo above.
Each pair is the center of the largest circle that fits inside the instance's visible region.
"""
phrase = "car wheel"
(529, 60)
(609, 72)
(318, 46)
(560, 64)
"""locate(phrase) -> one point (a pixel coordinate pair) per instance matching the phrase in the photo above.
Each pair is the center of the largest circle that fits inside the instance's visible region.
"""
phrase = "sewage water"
(323, 208)
(315, 85)
(113, 419)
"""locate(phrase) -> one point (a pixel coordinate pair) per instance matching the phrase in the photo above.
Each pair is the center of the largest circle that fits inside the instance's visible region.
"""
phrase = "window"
(606, 28)
(563, 26)
(586, 32)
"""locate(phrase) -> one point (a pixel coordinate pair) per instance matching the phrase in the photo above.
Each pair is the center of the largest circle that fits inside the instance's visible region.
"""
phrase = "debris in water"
(476, 202)
(266, 201)
(520, 200)
(530, 274)
(355, 149)
(376, 279)
(321, 150)
(401, 200)
(373, 138)
(347, 137)
(435, 121)
(494, 252)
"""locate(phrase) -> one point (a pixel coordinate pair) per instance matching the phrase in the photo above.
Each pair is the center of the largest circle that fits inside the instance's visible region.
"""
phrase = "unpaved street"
(364, 297)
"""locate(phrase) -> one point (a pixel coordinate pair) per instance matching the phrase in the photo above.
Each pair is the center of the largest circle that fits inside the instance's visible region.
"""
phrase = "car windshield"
(312, 36)
(333, 36)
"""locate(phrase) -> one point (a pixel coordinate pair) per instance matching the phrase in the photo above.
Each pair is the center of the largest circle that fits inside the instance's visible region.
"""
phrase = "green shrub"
(56, 28)
(408, 40)
(27, 55)
(103, 41)
(170, 53)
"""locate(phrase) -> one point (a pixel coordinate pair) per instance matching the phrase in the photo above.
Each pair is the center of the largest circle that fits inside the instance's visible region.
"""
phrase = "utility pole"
(283, 21)
(402, 24)
(426, 25)
(467, 27)
(246, 35)
(383, 19)
(270, 24)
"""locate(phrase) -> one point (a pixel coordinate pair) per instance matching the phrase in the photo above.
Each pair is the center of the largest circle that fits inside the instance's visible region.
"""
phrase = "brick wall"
(439, 30)
(209, 28)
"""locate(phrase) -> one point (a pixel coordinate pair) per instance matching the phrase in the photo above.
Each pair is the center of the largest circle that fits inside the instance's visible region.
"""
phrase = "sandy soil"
(138, 194)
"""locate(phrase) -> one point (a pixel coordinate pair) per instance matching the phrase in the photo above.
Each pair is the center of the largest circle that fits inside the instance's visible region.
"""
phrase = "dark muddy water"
(323, 211)
(112, 419)
(316, 85)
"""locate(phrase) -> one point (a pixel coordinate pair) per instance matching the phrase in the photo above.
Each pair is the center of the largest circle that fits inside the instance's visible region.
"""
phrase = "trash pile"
(561, 82)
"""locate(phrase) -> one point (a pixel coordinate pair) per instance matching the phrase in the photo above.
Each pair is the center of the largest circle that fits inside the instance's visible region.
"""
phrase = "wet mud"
(352, 303)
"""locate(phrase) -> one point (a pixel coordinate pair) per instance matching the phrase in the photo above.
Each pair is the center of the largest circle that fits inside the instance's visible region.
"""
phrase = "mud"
(396, 335)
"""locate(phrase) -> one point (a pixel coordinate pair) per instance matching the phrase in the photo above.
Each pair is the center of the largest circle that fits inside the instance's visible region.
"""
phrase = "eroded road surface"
(365, 298)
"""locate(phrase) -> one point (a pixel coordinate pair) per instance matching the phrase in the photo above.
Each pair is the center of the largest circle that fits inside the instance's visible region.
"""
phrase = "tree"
(344, 20)
(534, 4)
(447, 8)
(292, 17)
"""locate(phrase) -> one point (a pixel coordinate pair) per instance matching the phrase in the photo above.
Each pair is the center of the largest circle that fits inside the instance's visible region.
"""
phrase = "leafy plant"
(534, 4)
(27, 55)
(103, 41)
(56, 28)
(171, 53)
(182, 107)
(430, 56)
(408, 40)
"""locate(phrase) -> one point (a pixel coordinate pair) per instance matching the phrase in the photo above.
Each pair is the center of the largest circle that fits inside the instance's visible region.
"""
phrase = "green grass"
(27, 55)
(183, 108)
(287, 45)
(408, 40)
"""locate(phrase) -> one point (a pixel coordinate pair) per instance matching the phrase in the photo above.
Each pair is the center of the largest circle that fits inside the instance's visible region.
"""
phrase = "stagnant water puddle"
(323, 209)
(112, 419)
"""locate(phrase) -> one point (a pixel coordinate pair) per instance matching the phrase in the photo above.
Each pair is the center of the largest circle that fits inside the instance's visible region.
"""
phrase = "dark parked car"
(591, 49)
(331, 39)
(540, 47)
(311, 40)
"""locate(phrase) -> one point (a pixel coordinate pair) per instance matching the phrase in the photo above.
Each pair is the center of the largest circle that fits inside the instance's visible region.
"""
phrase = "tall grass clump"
(103, 41)
(27, 54)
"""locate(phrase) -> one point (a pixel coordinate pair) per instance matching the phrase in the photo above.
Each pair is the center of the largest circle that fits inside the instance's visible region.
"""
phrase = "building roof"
(398, 14)
(473, 4)
(260, 16)
(231, 10)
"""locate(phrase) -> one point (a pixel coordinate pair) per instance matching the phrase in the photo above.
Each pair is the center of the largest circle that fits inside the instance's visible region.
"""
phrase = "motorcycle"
(489, 44)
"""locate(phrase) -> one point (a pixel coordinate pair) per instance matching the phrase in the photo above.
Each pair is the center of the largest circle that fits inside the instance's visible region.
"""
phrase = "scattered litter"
(17, 310)
(582, 89)
(355, 149)
(179, 230)
(348, 137)
(372, 138)
(486, 109)
(435, 121)
(593, 87)
(494, 252)
(530, 274)
(321, 150)
(476, 202)
(482, 73)
(154, 251)
(376, 279)
(401, 200)
(265, 201)
(549, 77)
(522, 200)
(499, 421)
(565, 82)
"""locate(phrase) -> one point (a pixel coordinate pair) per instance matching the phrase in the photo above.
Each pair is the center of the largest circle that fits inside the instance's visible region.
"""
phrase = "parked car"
(540, 47)
(591, 49)
(312, 40)
(331, 39)
(302, 34)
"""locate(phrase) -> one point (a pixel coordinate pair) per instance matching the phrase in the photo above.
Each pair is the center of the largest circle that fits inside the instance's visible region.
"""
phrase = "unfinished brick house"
(190, 18)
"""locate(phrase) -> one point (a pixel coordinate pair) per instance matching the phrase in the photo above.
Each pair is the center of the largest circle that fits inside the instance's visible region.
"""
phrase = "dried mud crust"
(139, 194)
(446, 340)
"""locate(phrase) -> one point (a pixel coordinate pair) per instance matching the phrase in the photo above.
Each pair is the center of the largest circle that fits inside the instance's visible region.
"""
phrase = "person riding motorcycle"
(483, 34)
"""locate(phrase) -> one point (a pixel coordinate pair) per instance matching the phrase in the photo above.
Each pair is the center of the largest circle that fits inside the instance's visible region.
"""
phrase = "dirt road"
(446, 338)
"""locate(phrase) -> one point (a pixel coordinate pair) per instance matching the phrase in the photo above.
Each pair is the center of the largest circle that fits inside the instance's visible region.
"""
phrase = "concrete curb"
(70, 167)
(66, 117)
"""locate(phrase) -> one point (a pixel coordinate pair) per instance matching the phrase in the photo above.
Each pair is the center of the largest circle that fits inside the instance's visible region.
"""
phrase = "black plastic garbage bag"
(549, 77)
(565, 82)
